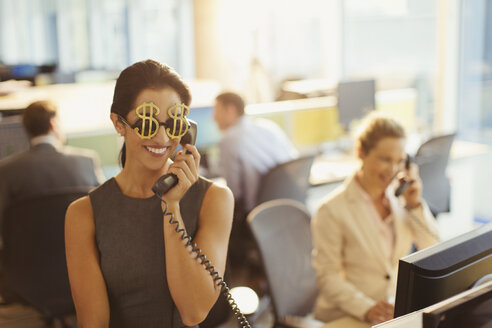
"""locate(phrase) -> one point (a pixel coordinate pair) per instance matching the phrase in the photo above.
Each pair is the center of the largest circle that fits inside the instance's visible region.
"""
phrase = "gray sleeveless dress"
(129, 237)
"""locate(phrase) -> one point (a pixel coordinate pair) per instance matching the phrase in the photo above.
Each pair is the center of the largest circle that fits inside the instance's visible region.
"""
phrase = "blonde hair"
(375, 127)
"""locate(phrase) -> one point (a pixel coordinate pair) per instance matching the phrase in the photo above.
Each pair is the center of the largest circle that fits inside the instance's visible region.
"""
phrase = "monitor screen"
(24, 71)
(443, 270)
(13, 138)
(208, 132)
(355, 100)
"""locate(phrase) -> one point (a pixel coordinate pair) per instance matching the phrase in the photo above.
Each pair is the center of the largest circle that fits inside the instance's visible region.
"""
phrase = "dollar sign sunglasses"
(146, 127)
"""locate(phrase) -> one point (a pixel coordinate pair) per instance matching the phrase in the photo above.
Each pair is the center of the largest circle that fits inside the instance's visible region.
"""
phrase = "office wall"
(311, 122)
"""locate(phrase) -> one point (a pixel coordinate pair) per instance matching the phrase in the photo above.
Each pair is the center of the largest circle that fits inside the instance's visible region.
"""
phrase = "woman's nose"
(161, 134)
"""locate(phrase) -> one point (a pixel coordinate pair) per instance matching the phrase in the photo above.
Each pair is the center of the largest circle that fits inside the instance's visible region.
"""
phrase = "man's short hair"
(37, 116)
(232, 98)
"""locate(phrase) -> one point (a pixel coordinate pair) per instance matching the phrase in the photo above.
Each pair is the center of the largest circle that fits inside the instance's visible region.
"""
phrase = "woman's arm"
(424, 226)
(192, 287)
(86, 280)
(421, 220)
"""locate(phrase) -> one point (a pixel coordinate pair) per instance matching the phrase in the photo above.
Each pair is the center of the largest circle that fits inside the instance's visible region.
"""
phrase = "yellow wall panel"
(315, 126)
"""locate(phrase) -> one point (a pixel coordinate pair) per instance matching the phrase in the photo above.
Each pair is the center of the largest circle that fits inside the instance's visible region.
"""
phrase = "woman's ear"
(118, 125)
(361, 153)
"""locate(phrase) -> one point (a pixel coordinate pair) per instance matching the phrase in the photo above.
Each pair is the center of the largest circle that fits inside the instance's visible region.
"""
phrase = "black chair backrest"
(282, 231)
(287, 180)
(34, 266)
(432, 157)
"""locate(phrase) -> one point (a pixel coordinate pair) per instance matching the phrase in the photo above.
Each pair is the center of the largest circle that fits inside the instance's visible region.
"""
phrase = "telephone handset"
(167, 181)
(162, 186)
(404, 184)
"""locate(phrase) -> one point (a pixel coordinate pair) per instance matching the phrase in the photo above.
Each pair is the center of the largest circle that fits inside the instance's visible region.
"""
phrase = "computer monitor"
(470, 309)
(355, 100)
(443, 270)
(208, 131)
(24, 72)
(13, 138)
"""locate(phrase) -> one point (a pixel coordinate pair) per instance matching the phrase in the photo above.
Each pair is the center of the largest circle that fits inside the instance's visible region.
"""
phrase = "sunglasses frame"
(169, 125)
(135, 126)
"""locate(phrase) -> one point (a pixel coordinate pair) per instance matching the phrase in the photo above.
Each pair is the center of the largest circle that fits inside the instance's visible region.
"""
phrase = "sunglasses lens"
(146, 128)
(176, 128)
(152, 128)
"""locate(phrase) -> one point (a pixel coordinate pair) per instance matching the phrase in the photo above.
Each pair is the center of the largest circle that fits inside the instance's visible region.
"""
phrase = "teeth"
(156, 150)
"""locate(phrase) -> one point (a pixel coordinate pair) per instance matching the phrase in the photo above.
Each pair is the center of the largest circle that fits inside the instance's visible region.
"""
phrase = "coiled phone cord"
(243, 322)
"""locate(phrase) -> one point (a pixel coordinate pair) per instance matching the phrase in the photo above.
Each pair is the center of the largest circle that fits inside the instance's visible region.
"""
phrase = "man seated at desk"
(48, 165)
(362, 228)
(248, 149)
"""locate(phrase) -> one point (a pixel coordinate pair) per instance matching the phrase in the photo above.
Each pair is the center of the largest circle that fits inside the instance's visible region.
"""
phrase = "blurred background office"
(433, 55)
(313, 66)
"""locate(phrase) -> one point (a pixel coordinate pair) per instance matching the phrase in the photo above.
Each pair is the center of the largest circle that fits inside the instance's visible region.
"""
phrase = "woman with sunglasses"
(128, 267)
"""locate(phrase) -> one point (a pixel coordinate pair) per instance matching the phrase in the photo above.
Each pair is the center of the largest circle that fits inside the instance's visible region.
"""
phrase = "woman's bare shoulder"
(218, 202)
(219, 192)
(79, 212)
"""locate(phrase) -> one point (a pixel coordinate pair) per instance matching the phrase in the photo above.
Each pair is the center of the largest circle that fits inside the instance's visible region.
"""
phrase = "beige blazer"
(352, 271)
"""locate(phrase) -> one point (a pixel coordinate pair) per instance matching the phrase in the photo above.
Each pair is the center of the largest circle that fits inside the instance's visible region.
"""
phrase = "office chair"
(282, 231)
(13, 132)
(34, 268)
(432, 157)
(287, 180)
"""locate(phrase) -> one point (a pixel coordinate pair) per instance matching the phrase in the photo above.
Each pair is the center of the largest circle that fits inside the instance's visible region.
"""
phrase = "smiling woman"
(362, 229)
(127, 265)
(144, 135)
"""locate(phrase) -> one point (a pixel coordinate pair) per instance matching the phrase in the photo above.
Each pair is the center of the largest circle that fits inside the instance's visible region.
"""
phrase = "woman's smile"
(157, 151)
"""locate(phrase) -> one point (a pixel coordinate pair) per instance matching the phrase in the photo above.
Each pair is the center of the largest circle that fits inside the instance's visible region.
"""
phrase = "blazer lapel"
(399, 225)
(365, 223)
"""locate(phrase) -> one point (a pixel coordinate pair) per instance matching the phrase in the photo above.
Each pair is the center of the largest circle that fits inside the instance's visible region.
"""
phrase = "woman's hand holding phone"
(413, 193)
(185, 167)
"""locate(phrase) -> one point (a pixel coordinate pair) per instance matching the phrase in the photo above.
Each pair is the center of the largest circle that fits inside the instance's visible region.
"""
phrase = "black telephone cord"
(243, 322)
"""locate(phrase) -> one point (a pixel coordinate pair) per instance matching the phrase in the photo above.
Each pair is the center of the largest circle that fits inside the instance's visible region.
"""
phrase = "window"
(82, 35)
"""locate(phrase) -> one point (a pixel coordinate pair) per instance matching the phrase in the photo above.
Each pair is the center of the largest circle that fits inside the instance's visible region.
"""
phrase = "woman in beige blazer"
(361, 229)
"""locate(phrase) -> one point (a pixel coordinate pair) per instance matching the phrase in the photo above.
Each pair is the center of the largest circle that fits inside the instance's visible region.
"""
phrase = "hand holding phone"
(404, 184)
(169, 180)
(412, 181)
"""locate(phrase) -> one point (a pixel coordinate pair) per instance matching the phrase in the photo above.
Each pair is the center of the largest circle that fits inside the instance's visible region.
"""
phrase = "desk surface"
(346, 322)
(331, 168)
(291, 105)
(311, 86)
(335, 166)
(83, 108)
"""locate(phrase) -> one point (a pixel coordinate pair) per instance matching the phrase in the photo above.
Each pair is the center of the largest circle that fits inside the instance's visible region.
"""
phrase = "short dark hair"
(37, 116)
(232, 98)
(146, 74)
